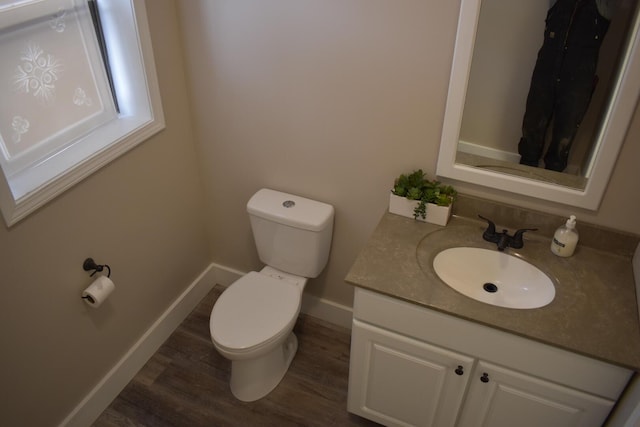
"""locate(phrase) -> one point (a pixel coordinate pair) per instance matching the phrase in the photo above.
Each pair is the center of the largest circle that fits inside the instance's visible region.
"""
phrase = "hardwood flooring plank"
(152, 369)
(186, 383)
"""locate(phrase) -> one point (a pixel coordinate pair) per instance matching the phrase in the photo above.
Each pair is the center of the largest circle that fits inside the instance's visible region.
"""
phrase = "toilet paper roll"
(98, 291)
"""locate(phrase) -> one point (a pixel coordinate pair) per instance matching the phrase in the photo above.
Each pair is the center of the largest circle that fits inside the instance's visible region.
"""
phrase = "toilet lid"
(253, 310)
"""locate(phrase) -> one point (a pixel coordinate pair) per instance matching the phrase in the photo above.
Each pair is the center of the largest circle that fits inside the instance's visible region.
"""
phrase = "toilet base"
(252, 379)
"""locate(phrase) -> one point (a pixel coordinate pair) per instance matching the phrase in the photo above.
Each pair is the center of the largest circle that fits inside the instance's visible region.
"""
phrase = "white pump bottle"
(565, 238)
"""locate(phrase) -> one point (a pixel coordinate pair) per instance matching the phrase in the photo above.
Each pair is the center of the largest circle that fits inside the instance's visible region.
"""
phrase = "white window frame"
(131, 57)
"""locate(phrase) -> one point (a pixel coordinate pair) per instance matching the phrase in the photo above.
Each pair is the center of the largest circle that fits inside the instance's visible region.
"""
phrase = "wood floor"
(186, 383)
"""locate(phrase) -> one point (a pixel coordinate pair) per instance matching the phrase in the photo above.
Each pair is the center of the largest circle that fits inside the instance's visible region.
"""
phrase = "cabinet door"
(499, 397)
(398, 381)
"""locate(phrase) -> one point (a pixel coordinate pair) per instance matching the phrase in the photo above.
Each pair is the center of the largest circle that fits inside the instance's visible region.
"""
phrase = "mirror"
(489, 156)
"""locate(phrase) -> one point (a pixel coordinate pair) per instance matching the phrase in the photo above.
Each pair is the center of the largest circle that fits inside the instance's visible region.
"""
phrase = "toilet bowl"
(252, 324)
(252, 321)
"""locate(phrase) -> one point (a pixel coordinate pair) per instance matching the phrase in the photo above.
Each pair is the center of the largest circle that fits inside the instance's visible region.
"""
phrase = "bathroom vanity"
(423, 354)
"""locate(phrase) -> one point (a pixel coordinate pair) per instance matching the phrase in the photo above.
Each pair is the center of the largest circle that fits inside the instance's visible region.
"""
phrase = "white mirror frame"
(611, 134)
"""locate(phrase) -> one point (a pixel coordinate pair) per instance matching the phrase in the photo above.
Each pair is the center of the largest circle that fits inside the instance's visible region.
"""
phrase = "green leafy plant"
(416, 186)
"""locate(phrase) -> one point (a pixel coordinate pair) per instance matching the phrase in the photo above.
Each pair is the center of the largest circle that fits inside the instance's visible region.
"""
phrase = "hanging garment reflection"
(563, 80)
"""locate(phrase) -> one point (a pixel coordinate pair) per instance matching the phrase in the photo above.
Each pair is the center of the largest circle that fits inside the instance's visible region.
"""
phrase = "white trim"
(108, 388)
(225, 276)
(329, 311)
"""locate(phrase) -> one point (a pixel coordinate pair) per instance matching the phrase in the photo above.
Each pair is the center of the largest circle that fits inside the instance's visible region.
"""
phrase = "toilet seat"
(253, 311)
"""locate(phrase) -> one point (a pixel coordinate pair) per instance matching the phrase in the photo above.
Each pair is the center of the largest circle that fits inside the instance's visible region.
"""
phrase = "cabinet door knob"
(459, 370)
(485, 377)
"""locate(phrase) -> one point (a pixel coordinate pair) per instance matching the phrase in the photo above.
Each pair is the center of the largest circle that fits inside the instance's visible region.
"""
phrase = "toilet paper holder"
(89, 264)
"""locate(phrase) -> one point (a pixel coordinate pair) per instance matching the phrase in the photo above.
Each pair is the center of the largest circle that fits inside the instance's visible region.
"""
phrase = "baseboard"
(99, 398)
(329, 311)
(320, 308)
(488, 152)
(90, 408)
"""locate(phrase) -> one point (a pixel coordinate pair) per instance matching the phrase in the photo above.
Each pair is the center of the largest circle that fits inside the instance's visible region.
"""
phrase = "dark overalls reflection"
(563, 80)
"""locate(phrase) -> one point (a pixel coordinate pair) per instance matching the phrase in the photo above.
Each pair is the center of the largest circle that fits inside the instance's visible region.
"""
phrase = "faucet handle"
(492, 225)
(517, 242)
(490, 233)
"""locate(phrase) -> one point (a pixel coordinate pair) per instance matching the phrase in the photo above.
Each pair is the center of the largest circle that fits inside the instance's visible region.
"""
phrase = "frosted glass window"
(53, 84)
(58, 121)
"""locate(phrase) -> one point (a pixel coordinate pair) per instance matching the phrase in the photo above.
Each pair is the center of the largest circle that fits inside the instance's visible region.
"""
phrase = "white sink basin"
(494, 277)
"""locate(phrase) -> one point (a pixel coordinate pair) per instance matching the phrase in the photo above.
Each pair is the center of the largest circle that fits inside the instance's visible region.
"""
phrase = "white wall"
(331, 99)
(144, 216)
(501, 74)
(325, 99)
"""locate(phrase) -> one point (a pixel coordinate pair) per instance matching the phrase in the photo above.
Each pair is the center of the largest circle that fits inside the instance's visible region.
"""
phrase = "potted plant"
(414, 195)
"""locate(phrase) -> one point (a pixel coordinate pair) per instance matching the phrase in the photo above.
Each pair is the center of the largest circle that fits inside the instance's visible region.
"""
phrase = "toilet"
(252, 321)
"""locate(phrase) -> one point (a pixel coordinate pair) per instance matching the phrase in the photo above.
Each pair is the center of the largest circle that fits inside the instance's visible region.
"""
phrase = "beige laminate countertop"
(594, 312)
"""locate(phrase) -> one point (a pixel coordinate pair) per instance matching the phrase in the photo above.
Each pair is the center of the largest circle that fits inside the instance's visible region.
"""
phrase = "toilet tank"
(292, 233)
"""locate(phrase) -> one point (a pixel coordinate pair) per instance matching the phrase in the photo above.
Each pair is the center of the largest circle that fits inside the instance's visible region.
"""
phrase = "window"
(65, 110)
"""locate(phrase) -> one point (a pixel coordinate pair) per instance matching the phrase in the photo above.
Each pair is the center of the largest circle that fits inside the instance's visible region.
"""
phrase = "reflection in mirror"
(501, 82)
(497, 46)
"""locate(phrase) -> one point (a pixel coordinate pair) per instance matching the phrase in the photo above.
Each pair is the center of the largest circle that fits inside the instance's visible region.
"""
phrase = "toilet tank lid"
(291, 210)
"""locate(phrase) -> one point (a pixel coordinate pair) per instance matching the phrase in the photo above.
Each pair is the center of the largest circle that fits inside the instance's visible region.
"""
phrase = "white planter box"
(438, 214)
(435, 214)
(402, 206)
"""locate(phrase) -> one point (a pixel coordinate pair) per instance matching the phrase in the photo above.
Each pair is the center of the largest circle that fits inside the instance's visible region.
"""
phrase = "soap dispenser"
(565, 238)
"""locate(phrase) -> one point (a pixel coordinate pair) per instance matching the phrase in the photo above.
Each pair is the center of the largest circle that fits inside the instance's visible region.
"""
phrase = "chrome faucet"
(503, 239)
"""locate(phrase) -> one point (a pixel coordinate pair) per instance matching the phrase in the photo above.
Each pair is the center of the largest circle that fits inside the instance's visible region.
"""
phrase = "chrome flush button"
(288, 204)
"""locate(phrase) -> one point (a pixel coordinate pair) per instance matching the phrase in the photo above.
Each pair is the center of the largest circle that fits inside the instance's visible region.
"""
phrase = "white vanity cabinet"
(412, 366)
(396, 380)
(500, 396)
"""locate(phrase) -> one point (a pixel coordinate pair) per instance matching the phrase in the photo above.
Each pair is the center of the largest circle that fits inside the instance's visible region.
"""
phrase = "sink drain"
(490, 287)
